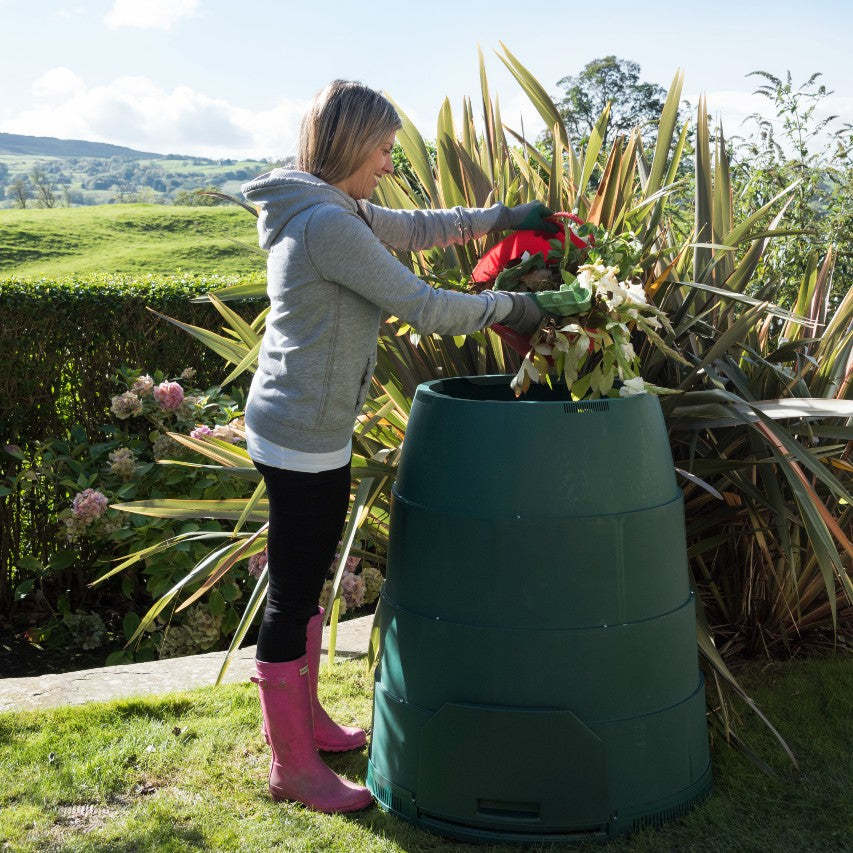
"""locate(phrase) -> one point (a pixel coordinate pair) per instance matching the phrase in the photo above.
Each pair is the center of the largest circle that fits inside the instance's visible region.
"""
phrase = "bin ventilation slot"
(507, 809)
(388, 798)
(658, 818)
(586, 406)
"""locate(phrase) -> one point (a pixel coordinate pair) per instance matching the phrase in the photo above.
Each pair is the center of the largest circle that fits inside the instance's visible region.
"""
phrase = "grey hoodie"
(329, 279)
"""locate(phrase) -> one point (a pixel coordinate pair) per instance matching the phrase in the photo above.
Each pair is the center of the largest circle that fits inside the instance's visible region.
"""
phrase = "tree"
(799, 145)
(43, 187)
(633, 103)
(197, 197)
(19, 191)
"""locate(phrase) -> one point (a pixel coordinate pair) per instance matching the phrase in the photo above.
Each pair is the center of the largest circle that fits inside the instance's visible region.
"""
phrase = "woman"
(330, 278)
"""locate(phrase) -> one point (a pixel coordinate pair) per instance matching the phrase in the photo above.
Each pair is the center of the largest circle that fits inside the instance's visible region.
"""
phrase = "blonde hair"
(344, 123)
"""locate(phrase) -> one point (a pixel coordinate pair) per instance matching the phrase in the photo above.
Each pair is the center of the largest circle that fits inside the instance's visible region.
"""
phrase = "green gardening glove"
(569, 300)
(532, 216)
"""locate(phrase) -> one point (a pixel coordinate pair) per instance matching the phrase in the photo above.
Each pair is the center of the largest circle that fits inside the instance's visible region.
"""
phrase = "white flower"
(636, 293)
(528, 369)
(632, 387)
(628, 351)
(584, 278)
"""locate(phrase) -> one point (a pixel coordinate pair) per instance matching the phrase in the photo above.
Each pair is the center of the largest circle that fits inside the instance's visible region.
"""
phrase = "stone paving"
(162, 676)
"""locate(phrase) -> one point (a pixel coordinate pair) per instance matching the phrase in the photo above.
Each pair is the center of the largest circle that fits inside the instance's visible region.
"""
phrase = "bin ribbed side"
(539, 675)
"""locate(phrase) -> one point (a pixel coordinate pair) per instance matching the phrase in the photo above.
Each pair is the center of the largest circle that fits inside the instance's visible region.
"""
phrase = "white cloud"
(56, 84)
(136, 112)
(149, 14)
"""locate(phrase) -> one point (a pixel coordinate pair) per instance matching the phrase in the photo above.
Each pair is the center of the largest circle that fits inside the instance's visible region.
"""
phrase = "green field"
(128, 238)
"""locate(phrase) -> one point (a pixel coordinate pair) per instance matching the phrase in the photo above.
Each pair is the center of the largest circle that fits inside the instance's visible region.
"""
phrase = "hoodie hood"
(281, 194)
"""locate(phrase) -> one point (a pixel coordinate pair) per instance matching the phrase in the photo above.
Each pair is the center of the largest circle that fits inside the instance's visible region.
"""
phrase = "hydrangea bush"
(360, 583)
(93, 472)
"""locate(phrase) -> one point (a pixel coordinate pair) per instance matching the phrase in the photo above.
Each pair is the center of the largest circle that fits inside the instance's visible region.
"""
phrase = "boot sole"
(340, 748)
(334, 808)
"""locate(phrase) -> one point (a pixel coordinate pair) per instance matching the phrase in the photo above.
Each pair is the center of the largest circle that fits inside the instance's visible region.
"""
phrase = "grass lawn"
(128, 238)
(187, 772)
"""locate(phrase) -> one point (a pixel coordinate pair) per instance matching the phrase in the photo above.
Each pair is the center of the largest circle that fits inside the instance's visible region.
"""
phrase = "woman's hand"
(525, 316)
(532, 216)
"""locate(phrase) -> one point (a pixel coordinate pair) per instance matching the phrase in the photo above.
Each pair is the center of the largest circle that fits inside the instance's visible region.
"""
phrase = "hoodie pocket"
(365, 383)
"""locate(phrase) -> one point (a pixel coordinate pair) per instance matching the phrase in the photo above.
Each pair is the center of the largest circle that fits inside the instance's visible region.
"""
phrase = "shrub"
(63, 489)
(62, 343)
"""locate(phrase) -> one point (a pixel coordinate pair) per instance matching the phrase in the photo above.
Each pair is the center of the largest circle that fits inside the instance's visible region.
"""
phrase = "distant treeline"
(46, 172)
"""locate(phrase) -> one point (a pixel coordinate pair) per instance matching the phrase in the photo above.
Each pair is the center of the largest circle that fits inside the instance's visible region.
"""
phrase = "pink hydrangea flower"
(89, 505)
(143, 385)
(169, 396)
(257, 564)
(126, 405)
(225, 433)
(352, 589)
(201, 431)
(123, 462)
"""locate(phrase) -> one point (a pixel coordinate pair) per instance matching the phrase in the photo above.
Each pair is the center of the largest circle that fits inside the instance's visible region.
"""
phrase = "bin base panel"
(403, 804)
(486, 773)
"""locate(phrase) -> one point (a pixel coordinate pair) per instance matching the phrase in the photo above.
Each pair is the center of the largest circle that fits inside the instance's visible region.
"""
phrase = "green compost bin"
(539, 677)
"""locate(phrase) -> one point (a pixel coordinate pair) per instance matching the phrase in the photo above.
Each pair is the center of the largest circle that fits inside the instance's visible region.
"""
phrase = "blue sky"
(223, 78)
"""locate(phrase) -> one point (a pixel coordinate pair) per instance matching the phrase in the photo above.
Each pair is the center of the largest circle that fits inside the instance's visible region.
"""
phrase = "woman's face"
(364, 180)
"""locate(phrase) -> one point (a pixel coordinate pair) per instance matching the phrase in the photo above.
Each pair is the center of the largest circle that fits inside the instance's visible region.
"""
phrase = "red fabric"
(516, 245)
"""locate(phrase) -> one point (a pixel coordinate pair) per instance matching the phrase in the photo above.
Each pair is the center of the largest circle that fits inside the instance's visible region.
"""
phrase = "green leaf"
(249, 362)
(24, 588)
(236, 323)
(416, 152)
(252, 608)
(230, 591)
(251, 505)
(30, 564)
(666, 128)
(449, 171)
(236, 291)
(232, 508)
(593, 148)
(61, 560)
(227, 348)
(129, 624)
(216, 603)
(538, 96)
(127, 491)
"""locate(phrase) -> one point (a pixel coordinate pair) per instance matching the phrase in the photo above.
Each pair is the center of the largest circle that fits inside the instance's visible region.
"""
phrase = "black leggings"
(307, 513)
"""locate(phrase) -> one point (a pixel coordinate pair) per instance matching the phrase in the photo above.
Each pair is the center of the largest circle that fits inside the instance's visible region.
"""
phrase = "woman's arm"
(414, 230)
(344, 250)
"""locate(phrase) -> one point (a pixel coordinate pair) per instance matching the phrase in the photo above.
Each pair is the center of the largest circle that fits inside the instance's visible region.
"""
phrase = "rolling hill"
(128, 238)
(49, 146)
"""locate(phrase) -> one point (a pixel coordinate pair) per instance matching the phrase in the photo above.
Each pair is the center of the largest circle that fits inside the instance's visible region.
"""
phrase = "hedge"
(62, 343)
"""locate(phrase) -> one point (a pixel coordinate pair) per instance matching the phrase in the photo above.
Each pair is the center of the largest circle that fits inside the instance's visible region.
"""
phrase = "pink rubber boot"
(297, 772)
(328, 735)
